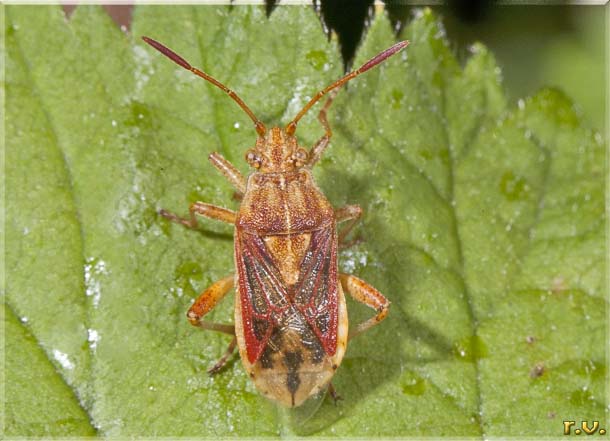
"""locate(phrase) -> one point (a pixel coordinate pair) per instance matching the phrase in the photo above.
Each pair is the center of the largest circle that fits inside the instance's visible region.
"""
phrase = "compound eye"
(253, 159)
(300, 157)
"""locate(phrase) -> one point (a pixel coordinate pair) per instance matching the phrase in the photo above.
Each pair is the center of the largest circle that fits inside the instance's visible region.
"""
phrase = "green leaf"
(484, 225)
(38, 400)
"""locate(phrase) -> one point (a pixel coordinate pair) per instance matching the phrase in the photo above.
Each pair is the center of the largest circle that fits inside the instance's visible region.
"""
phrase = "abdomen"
(293, 366)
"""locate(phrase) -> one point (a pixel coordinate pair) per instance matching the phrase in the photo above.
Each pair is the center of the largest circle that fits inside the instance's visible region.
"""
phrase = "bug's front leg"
(366, 294)
(206, 301)
(207, 210)
(230, 172)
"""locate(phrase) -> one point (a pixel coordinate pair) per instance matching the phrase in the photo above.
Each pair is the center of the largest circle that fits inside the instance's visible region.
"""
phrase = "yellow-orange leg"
(206, 301)
(207, 210)
(229, 171)
(351, 213)
(366, 294)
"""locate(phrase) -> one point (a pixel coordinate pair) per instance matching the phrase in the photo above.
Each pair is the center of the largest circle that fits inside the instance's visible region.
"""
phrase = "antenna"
(292, 125)
(260, 127)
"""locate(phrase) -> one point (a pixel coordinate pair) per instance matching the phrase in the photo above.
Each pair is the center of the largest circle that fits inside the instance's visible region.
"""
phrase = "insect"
(291, 324)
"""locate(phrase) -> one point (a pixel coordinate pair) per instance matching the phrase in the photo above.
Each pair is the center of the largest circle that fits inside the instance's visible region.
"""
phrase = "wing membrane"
(316, 291)
(262, 292)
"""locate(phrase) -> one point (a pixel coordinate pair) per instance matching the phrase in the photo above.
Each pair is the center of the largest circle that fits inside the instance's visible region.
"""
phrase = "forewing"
(316, 291)
(262, 292)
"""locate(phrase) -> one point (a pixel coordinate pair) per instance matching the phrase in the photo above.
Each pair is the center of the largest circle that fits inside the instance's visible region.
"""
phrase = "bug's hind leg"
(352, 214)
(223, 360)
(206, 301)
(333, 393)
(203, 209)
(366, 294)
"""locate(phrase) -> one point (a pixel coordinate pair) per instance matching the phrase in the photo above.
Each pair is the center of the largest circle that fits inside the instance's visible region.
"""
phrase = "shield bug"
(291, 323)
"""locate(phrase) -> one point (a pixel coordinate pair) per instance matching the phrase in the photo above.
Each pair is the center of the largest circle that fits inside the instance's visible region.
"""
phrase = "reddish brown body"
(291, 320)
(286, 258)
(291, 323)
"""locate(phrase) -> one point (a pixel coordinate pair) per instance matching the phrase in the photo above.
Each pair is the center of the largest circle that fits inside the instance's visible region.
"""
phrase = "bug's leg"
(333, 393)
(207, 210)
(366, 294)
(229, 171)
(351, 213)
(223, 360)
(206, 301)
(316, 151)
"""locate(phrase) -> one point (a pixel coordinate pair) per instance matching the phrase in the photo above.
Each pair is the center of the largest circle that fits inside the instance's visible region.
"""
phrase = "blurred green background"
(564, 46)
(536, 46)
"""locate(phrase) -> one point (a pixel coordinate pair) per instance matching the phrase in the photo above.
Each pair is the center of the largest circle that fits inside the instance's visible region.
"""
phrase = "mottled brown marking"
(322, 321)
(266, 358)
(260, 305)
(275, 340)
(293, 361)
(265, 289)
(317, 352)
(320, 299)
(259, 302)
(302, 296)
(293, 382)
(260, 327)
(283, 204)
(273, 346)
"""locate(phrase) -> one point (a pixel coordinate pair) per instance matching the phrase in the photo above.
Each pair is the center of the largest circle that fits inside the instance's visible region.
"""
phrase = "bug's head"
(275, 152)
